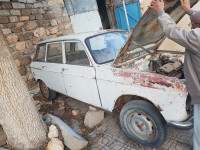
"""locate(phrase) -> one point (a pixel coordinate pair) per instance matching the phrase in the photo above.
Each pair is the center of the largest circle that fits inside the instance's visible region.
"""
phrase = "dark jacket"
(191, 41)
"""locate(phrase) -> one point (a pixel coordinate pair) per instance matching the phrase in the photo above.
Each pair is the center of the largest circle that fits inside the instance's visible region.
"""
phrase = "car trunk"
(141, 48)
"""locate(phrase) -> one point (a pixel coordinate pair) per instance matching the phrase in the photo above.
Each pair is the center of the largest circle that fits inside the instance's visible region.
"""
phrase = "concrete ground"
(109, 136)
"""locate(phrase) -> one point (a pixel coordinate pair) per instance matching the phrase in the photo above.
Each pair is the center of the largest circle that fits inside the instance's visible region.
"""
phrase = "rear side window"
(40, 55)
(75, 54)
(54, 53)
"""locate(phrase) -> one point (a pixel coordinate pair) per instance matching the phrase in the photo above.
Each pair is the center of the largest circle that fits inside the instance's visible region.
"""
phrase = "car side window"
(54, 53)
(75, 54)
(40, 55)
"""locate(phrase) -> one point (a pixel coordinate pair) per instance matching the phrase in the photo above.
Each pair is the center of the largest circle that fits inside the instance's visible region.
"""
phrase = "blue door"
(133, 13)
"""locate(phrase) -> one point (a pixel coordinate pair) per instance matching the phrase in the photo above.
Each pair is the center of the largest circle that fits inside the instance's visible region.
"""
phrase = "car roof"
(79, 36)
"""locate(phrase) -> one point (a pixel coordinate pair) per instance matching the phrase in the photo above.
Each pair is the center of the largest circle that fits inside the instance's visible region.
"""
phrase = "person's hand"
(185, 4)
(157, 5)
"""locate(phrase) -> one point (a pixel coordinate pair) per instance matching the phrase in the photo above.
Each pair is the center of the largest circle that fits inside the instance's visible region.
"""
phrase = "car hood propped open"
(147, 34)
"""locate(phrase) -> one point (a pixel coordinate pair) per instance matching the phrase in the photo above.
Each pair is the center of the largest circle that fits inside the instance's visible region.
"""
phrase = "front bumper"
(184, 125)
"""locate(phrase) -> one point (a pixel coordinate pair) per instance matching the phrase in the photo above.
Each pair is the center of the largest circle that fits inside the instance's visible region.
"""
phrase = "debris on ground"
(75, 112)
(55, 144)
(71, 139)
(93, 118)
(53, 132)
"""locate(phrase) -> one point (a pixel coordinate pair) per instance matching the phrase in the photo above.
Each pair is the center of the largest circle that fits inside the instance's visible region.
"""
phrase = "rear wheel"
(142, 122)
(46, 92)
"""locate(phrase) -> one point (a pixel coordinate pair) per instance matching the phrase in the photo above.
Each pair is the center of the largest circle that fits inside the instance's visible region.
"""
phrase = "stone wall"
(26, 22)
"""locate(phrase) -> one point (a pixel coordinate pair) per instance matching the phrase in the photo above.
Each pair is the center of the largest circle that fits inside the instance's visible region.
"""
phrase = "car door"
(52, 69)
(79, 75)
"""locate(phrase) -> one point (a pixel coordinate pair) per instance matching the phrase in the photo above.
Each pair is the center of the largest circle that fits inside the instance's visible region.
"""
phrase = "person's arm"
(190, 40)
(185, 4)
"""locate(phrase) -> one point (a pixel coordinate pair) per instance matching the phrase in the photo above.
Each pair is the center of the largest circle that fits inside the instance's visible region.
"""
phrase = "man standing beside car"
(191, 41)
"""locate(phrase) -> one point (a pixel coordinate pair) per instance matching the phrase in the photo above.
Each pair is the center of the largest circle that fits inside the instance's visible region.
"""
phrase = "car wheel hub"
(45, 90)
(141, 126)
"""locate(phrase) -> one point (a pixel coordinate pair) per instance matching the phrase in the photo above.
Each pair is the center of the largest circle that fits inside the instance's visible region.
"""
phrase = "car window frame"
(85, 49)
(37, 50)
(98, 35)
(61, 42)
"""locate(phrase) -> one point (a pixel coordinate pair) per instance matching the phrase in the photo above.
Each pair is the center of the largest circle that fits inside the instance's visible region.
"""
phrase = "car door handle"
(44, 67)
(63, 69)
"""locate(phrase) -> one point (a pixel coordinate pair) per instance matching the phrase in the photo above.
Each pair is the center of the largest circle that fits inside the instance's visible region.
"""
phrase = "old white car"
(113, 70)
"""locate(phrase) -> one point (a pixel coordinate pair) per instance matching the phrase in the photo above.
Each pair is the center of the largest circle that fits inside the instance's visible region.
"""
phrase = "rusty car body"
(144, 83)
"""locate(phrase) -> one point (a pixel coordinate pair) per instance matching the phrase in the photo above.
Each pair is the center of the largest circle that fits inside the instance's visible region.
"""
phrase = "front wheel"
(142, 122)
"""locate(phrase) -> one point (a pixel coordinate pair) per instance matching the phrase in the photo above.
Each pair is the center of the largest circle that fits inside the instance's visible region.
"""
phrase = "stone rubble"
(55, 144)
(53, 132)
(71, 139)
(93, 118)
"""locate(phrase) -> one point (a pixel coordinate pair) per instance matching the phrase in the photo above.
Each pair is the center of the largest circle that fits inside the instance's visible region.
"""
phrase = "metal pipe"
(185, 125)
(126, 16)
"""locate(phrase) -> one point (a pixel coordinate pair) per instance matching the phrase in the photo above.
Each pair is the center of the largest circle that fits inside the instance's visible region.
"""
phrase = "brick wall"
(26, 22)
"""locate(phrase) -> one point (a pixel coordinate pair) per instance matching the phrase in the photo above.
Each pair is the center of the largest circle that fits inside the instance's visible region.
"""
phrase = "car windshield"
(105, 47)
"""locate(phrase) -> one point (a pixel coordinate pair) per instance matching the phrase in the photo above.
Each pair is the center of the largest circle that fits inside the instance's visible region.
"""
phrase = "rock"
(71, 139)
(53, 22)
(48, 16)
(39, 17)
(4, 20)
(20, 46)
(31, 83)
(55, 144)
(10, 25)
(30, 76)
(12, 39)
(24, 18)
(38, 5)
(18, 5)
(22, 71)
(22, 1)
(29, 46)
(4, 13)
(93, 118)
(41, 11)
(25, 60)
(75, 112)
(31, 1)
(43, 23)
(25, 12)
(30, 25)
(57, 2)
(28, 35)
(53, 132)
(19, 24)
(59, 112)
(6, 6)
(16, 30)
(35, 41)
(15, 12)
(17, 62)
(53, 30)
(40, 32)
(6, 31)
(13, 19)
(92, 108)
(17, 54)
(29, 6)
(34, 11)
(32, 17)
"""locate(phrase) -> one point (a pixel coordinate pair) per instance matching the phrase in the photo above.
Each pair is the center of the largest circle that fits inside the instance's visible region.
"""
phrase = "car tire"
(46, 92)
(142, 122)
